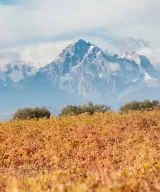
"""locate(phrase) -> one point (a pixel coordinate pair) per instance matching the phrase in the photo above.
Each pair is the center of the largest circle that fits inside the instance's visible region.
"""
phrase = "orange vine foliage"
(104, 152)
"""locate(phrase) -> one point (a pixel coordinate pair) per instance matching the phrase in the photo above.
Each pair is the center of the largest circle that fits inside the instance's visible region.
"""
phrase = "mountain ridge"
(82, 72)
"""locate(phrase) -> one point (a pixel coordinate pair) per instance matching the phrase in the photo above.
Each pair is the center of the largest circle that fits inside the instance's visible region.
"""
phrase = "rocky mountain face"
(82, 72)
(140, 46)
(85, 70)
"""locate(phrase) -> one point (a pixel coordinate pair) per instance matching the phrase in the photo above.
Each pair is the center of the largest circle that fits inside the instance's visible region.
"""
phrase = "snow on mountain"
(85, 70)
(139, 46)
(132, 56)
(16, 71)
(82, 72)
(150, 81)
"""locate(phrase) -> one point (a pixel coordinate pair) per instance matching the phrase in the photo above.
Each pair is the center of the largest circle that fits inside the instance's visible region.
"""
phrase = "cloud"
(42, 53)
(7, 56)
(126, 45)
(37, 54)
(152, 53)
(147, 48)
(37, 30)
(41, 20)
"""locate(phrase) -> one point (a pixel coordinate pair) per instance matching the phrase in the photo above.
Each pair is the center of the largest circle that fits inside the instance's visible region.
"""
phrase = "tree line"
(40, 112)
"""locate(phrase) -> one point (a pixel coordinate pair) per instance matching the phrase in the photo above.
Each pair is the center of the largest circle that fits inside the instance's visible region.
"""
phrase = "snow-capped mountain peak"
(75, 52)
(83, 71)
(132, 56)
(80, 41)
(82, 68)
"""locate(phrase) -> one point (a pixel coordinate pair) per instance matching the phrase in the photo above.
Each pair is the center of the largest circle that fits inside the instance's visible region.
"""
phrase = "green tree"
(79, 109)
(137, 105)
(31, 113)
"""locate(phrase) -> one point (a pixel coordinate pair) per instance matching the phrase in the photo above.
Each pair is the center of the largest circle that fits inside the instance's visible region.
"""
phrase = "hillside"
(103, 152)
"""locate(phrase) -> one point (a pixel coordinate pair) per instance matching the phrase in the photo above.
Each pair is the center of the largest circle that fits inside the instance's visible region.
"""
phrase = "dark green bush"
(31, 113)
(79, 109)
(137, 105)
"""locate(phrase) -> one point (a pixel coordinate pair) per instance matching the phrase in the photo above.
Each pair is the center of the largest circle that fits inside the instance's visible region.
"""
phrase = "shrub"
(31, 113)
(79, 109)
(137, 105)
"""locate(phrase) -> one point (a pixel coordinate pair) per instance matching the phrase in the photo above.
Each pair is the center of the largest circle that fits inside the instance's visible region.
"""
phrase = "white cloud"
(43, 53)
(7, 56)
(44, 19)
(153, 54)
(147, 48)
(29, 28)
(37, 54)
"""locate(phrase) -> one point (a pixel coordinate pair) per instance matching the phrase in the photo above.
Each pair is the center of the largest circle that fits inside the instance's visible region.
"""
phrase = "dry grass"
(103, 152)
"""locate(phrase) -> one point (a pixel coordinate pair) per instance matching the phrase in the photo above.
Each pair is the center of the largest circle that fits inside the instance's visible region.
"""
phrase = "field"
(104, 152)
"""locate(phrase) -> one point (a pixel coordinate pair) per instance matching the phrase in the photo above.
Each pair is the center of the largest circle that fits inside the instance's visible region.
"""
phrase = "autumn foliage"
(103, 152)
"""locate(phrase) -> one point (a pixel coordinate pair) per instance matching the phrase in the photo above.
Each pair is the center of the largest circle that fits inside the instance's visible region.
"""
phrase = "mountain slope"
(83, 69)
(81, 73)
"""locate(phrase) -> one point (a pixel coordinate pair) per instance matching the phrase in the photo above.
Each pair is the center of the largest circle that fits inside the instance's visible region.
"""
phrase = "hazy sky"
(34, 27)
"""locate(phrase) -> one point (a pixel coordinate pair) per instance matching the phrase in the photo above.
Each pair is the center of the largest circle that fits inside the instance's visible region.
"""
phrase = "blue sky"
(7, 2)
(15, 2)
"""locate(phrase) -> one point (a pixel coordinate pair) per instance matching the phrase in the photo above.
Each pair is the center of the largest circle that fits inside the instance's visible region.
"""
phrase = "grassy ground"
(103, 152)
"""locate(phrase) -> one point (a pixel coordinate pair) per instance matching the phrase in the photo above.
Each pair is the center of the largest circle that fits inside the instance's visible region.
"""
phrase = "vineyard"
(103, 152)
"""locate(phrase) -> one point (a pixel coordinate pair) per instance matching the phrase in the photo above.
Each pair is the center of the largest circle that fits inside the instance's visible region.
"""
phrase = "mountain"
(143, 62)
(140, 46)
(81, 73)
(83, 69)
(15, 72)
